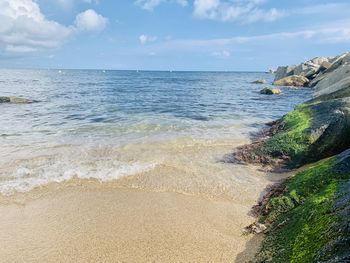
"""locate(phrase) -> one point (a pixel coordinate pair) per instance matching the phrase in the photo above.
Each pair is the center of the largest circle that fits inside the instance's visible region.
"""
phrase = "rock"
(270, 91)
(313, 131)
(255, 228)
(5, 100)
(15, 100)
(294, 207)
(319, 60)
(325, 65)
(341, 93)
(283, 72)
(337, 62)
(330, 128)
(259, 81)
(306, 69)
(334, 81)
(295, 81)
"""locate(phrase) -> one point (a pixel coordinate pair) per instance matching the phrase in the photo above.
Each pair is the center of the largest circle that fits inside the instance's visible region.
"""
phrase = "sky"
(218, 35)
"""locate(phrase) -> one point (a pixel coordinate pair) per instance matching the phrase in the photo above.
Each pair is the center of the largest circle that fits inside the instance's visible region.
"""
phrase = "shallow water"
(169, 130)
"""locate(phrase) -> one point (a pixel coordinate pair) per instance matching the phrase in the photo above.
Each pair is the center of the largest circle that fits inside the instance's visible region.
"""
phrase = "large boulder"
(334, 81)
(284, 71)
(337, 62)
(307, 69)
(294, 80)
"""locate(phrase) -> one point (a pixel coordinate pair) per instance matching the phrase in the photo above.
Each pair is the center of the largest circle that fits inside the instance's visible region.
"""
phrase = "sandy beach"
(163, 215)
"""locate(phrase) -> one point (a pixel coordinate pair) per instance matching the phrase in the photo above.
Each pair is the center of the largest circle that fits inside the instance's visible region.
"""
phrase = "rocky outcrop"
(306, 218)
(292, 81)
(15, 100)
(308, 69)
(270, 91)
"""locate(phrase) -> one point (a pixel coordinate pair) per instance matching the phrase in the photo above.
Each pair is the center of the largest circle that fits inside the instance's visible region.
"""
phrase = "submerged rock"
(259, 81)
(270, 91)
(15, 100)
(5, 100)
(292, 81)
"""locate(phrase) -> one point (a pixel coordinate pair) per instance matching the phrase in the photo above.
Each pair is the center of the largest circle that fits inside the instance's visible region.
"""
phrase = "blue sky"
(239, 35)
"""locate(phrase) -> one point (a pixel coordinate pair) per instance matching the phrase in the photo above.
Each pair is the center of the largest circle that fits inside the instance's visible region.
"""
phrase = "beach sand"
(194, 213)
(113, 225)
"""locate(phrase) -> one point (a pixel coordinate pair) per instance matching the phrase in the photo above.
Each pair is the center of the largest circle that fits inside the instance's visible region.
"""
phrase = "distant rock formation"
(316, 71)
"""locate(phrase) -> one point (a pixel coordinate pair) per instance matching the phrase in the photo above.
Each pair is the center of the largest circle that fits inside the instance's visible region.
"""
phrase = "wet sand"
(189, 209)
(81, 224)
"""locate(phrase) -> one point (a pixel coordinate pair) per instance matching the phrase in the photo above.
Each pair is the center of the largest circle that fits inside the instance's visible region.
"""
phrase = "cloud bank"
(25, 29)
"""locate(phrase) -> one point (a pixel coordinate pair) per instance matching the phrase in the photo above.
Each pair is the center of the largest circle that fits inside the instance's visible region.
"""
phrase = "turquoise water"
(84, 111)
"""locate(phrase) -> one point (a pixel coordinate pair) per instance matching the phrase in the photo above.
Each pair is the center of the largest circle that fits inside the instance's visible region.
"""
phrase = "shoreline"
(106, 223)
(161, 215)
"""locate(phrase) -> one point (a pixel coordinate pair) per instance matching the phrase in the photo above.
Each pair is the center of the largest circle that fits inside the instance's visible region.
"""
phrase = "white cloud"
(24, 29)
(90, 21)
(244, 11)
(151, 4)
(144, 39)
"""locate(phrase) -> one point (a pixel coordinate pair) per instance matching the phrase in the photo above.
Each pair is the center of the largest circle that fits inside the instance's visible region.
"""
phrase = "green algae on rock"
(309, 221)
(311, 132)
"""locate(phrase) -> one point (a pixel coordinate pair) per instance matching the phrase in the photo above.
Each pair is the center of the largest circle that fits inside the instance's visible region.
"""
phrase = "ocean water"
(107, 125)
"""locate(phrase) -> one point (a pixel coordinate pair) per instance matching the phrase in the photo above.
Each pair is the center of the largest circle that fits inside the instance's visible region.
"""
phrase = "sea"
(105, 125)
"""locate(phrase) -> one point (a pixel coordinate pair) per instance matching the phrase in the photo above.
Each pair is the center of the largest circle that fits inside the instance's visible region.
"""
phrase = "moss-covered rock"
(310, 220)
(311, 132)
